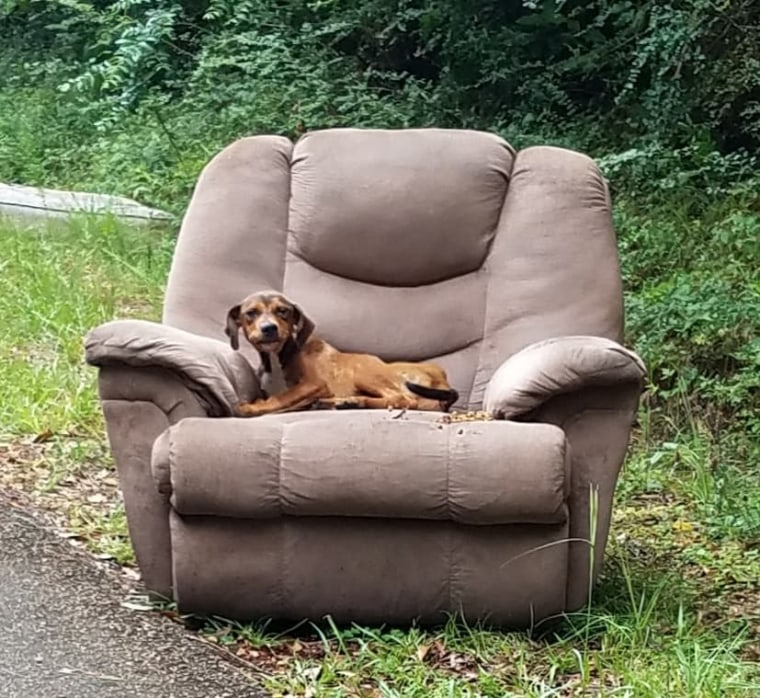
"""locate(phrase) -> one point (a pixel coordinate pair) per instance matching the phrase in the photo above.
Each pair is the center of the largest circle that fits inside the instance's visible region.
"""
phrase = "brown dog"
(319, 375)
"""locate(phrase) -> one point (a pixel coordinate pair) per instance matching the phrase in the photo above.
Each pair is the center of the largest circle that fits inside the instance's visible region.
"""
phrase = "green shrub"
(693, 293)
(134, 96)
(624, 71)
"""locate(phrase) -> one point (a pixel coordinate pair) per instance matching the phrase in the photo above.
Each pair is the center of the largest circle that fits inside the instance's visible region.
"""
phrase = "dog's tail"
(449, 397)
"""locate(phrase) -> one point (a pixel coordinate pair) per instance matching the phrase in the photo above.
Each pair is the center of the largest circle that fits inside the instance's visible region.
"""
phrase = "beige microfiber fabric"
(555, 366)
(369, 570)
(365, 464)
(219, 376)
(399, 208)
(412, 244)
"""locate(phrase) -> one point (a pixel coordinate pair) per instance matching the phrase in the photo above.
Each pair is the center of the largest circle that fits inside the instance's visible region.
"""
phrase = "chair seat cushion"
(365, 464)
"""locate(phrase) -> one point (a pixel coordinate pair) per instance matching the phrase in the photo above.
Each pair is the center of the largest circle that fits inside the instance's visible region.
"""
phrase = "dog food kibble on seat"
(472, 416)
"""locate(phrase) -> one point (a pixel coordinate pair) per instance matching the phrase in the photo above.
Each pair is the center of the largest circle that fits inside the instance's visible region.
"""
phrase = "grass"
(57, 282)
(676, 612)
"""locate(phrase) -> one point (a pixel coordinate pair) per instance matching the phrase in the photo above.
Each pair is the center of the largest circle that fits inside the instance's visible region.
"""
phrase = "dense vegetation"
(133, 96)
(160, 84)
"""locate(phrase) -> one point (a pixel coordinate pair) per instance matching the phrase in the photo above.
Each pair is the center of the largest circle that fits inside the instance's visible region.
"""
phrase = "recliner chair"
(425, 244)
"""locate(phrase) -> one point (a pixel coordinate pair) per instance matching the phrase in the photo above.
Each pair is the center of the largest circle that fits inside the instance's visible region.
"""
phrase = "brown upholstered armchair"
(417, 244)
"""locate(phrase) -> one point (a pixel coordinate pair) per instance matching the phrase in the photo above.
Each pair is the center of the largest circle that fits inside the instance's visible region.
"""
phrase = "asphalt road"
(64, 634)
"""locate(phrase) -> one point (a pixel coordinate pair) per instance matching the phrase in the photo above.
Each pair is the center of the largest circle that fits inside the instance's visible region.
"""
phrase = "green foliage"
(134, 96)
(692, 172)
(55, 285)
(648, 69)
(693, 283)
(148, 89)
(41, 137)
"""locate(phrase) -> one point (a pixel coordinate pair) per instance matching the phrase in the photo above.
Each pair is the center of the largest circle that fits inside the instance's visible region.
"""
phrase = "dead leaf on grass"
(267, 658)
(438, 656)
(312, 673)
(43, 437)
(683, 526)
(593, 685)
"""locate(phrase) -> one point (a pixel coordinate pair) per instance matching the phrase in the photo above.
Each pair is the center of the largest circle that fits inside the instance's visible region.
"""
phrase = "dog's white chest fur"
(273, 383)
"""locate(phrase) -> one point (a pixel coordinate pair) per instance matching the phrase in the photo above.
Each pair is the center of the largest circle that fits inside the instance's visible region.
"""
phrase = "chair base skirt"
(369, 570)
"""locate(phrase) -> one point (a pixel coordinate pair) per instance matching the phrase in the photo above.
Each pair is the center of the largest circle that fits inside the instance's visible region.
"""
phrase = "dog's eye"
(282, 312)
(251, 314)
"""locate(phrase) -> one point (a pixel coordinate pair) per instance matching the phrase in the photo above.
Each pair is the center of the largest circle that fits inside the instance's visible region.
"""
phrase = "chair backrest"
(412, 244)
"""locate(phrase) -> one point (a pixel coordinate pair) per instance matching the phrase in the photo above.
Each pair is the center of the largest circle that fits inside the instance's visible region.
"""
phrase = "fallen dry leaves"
(576, 684)
(276, 657)
(68, 479)
(307, 659)
(436, 655)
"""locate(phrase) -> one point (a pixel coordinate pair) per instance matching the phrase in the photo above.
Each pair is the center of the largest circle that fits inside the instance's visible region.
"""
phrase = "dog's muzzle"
(269, 333)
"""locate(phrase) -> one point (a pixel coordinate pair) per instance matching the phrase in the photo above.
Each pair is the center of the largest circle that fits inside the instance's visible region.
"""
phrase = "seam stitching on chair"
(280, 507)
(376, 284)
(448, 475)
(288, 209)
(486, 268)
(171, 494)
(283, 528)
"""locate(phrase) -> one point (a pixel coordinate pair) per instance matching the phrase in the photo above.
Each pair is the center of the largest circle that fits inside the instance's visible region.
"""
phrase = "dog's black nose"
(269, 331)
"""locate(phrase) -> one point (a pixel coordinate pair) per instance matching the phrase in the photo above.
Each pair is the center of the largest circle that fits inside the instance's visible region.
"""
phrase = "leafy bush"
(693, 293)
(134, 96)
(648, 69)
(694, 171)
(41, 138)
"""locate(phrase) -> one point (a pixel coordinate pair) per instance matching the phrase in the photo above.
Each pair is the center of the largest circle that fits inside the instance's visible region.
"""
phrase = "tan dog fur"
(319, 375)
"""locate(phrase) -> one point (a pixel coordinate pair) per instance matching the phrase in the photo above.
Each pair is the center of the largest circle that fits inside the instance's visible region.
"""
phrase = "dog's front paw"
(249, 409)
(347, 405)
(241, 409)
(335, 404)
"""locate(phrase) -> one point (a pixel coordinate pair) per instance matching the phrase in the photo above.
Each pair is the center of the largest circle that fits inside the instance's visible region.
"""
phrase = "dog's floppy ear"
(302, 327)
(233, 326)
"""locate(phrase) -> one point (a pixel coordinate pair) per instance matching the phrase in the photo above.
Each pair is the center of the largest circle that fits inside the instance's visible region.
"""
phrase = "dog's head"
(270, 321)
